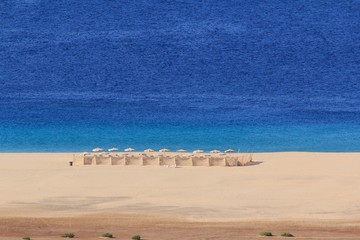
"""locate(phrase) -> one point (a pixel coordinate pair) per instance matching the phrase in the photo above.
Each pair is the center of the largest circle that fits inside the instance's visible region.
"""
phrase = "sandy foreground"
(312, 195)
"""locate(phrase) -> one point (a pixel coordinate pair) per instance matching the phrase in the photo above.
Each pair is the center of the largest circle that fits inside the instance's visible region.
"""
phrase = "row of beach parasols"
(161, 150)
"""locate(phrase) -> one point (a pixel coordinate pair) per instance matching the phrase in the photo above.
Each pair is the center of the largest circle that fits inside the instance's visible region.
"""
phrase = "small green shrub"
(136, 237)
(107, 235)
(68, 235)
(266, 234)
(286, 234)
(26, 238)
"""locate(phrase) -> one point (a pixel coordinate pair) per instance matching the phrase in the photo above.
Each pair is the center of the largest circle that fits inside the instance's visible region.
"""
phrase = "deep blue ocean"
(250, 75)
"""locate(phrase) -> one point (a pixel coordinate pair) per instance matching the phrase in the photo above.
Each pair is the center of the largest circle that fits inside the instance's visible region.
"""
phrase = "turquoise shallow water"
(330, 138)
(250, 75)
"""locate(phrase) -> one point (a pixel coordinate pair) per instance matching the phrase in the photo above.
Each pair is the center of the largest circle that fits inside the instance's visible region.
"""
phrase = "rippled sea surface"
(249, 75)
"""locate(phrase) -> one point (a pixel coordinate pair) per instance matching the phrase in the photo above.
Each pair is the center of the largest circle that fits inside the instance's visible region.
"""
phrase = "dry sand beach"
(312, 195)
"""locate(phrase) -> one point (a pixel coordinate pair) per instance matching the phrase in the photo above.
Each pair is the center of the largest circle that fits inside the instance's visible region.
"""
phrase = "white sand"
(281, 186)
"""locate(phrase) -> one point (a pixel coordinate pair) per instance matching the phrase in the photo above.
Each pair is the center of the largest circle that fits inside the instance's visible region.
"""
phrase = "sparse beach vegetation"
(136, 237)
(68, 235)
(107, 235)
(287, 234)
(266, 234)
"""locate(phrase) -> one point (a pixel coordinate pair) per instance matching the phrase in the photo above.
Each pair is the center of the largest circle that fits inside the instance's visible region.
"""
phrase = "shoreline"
(206, 152)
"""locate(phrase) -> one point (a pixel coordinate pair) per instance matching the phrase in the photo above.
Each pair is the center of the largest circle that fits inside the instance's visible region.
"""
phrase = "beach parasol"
(198, 151)
(229, 151)
(181, 150)
(164, 150)
(149, 150)
(98, 150)
(129, 150)
(215, 151)
(85, 153)
(113, 149)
